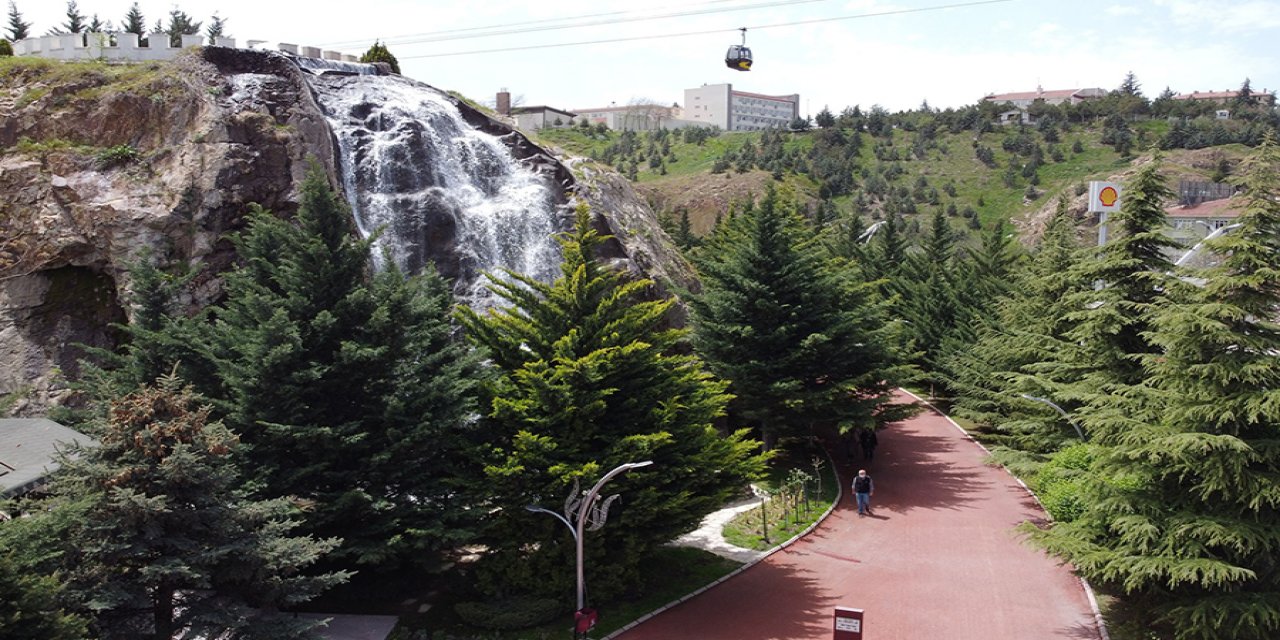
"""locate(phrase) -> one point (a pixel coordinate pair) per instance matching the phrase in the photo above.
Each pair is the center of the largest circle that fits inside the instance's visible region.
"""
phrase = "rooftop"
(1223, 208)
(1032, 95)
(28, 451)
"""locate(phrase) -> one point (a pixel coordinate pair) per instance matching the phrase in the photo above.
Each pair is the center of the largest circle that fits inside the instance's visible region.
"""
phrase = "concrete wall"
(124, 47)
(709, 104)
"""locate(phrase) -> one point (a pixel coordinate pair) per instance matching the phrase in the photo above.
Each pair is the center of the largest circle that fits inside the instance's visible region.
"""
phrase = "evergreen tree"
(380, 53)
(75, 20)
(350, 390)
(1187, 515)
(30, 607)
(19, 29)
(96, 25)
(134, 22)
(589, 378)
(217, 29)
(166, 544)
(1024, 329)
(824, 118)
(799, 343)
(180, 24)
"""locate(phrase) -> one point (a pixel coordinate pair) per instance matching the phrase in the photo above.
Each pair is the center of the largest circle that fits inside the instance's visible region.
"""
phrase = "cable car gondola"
(739, 56)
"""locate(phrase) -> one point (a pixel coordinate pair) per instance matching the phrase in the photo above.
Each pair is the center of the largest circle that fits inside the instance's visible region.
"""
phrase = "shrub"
(379, 53)
(509, 614)
(6, 49)
(1060, 482)
(118, 155)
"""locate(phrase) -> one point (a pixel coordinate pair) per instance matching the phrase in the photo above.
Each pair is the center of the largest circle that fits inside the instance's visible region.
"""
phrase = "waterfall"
(435, 188)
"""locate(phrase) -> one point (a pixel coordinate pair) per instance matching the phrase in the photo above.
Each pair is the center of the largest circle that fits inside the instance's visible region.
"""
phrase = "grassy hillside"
(948, 164)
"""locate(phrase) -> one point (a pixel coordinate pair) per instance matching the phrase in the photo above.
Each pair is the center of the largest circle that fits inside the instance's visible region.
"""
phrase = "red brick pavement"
(937, 560)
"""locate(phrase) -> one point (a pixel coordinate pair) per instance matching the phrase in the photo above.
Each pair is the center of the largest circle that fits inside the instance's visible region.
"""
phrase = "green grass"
(672, 573)
(778, 520)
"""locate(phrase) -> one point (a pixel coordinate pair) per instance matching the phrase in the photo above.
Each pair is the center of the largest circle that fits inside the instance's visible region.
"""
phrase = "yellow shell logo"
(1108, 197)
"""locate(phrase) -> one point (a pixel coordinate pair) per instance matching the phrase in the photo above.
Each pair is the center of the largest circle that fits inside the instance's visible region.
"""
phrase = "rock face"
(104, 165)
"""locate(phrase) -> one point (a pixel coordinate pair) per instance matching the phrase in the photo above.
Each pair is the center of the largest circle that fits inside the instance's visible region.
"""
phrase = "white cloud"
(1223, 16)
(1122, 10)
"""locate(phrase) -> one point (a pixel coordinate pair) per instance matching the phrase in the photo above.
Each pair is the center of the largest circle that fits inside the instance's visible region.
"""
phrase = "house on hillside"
(1024, 99)
(1264, 97)
(542, 117)
(719, 105)
(29, 454)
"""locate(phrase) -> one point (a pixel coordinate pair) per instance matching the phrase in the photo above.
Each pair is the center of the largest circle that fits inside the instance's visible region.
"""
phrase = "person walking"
(863, 487)
(868, 441)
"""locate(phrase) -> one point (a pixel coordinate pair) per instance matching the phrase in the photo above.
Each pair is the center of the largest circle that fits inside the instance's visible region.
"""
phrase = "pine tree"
(217, 29)
(1024, 329)
(134, 21)
(1187, 512)
(30, 607)
(19, 29)
(350, 390)
(380, 53)
(166, 544)
(75, 20)
(589, 378)
(799, 343)
(180, 24)
(824, 118)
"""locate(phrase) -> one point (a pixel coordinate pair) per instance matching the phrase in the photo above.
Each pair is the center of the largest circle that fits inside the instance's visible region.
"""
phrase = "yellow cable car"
(738, 57)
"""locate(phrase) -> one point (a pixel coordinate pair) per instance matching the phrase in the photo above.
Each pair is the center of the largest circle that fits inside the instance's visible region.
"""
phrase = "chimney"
(504, 102)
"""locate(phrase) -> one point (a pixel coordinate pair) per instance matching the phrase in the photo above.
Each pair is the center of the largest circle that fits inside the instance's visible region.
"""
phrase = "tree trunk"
(162, 613)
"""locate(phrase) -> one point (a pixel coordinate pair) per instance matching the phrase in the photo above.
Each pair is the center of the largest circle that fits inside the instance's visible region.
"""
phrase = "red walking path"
(937, 560)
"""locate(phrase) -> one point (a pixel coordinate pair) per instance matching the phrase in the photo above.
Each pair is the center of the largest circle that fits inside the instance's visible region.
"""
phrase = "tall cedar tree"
(799, 342)
(166, 544)
(1108, 336)
(589, 378)
(928, 295)
(1187, 511)
(351, 390)
(180, 24)
(217, 29)
(1024, 329)
(18, 28)
(134, 21)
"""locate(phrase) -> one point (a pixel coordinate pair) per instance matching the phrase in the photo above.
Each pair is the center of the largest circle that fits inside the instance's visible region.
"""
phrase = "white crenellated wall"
(125, 47)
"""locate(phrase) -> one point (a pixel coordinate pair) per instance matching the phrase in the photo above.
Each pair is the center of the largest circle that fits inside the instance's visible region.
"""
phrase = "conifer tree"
(799, 343)
(1024, 329)
(166, 544)
(75, 20)
(134, 21)
(1186, 519)
(19, 29)
(350, 390)
(380, 53)
(180, 24)
(30, 607)
(217, 29)
(589, 378)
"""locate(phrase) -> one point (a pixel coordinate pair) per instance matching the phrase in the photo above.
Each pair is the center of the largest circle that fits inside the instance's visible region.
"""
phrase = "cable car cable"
(556, 45)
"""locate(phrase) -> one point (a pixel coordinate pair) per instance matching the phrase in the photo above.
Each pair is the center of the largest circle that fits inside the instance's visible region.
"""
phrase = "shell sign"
(1104, 196)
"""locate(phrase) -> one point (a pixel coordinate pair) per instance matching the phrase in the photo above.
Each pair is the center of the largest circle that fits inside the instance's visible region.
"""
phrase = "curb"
(839, 496)
(1088, 590)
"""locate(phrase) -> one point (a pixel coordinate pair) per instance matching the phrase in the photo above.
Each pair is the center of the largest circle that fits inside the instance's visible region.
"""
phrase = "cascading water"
(438, 189)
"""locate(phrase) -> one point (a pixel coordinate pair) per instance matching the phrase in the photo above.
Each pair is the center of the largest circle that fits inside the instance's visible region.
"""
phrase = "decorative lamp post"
(587, 513)
(1079, 431)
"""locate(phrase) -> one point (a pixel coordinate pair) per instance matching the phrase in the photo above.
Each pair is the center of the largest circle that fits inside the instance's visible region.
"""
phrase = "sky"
(845, 52)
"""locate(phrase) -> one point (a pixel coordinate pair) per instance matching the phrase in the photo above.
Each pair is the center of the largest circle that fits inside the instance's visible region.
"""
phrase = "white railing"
(126, 47)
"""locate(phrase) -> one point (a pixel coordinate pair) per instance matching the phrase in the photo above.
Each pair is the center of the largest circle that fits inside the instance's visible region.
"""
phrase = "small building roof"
(792, 98)
(537, 108)
(1207, 95)
(28, 452)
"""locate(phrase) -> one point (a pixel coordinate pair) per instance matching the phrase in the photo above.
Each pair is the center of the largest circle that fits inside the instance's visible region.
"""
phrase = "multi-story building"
(721, 106)
(1223, 97)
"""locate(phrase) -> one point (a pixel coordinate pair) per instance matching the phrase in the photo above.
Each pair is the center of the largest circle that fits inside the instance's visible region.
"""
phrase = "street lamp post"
(1079, 431)
(1196, 249)
(577, 512)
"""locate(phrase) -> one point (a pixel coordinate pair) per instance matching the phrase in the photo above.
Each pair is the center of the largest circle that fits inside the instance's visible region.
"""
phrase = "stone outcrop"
(104, 165)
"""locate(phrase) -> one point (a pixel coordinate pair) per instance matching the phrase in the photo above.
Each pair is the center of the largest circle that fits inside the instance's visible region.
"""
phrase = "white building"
(541, 117)
(719, 105)
(126, 47)
(1024, 99)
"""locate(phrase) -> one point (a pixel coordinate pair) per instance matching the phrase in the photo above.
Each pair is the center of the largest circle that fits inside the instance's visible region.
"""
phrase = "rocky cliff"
(102, 165)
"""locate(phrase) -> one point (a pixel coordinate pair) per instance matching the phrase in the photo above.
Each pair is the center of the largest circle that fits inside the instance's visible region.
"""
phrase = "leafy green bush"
(6, 49)
(1060, 482)
(118, 155)
(512, 613)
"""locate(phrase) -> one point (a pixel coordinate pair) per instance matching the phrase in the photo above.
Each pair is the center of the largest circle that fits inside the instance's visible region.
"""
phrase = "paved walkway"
(938, 559)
